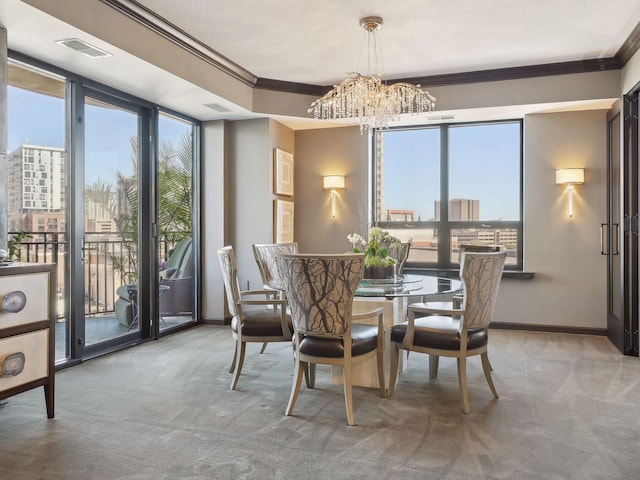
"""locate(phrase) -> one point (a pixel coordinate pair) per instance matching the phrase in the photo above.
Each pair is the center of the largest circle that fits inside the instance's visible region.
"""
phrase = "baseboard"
(549, 328)
(216, 321)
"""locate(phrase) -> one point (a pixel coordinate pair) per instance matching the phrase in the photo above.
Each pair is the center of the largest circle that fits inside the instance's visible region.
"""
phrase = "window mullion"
(444, 229)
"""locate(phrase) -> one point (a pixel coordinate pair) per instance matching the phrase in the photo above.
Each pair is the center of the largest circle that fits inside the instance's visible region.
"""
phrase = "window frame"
(444, 226)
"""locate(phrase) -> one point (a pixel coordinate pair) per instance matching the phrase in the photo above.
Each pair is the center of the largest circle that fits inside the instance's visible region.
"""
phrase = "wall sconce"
(570, 177)
(331, 182)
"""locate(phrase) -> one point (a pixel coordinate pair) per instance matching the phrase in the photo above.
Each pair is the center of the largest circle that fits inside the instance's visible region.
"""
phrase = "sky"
(39, 120)
(484, 165)
(484, 158)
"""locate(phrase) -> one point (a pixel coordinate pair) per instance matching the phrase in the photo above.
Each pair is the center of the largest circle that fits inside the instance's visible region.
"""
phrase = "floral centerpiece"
(377, 262)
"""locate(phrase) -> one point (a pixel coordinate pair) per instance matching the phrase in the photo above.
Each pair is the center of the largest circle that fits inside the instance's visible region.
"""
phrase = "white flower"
(356, 239)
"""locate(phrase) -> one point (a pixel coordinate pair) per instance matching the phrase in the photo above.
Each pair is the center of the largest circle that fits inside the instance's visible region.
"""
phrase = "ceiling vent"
(217, 107)
(83, 47)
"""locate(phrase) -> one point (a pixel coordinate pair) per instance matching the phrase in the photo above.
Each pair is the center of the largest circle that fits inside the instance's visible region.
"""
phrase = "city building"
(460, 209)
(36, 188)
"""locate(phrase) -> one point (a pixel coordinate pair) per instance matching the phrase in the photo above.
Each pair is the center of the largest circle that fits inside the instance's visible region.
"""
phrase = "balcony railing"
(109, 262)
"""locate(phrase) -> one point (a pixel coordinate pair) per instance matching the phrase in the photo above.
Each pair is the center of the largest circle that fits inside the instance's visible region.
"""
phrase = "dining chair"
(452, 332)
(320, 291)
(254, 319)
(265, 255)
(456, 298)
(400, 253)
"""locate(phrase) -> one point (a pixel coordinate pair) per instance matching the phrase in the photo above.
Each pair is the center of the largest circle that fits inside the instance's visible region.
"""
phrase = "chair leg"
(486, 366)
(233, 361)
(239, 362)
(434, 360)
(295, 388)
(462, 379)
(383, 387)
(264, 345)
(393, 369)
(310, 374)
(348, 398)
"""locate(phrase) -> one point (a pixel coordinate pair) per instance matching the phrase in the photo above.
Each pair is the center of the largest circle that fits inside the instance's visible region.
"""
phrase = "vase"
(377, 272)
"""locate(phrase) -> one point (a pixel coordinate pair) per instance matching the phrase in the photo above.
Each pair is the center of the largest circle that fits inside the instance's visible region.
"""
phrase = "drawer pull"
(13, 302)
(12, 364)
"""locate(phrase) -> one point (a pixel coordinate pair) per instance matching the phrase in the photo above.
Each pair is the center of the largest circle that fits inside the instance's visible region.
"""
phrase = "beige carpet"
(569, 409)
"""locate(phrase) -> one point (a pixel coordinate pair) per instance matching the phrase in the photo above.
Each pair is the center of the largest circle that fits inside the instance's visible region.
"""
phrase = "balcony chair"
(178, 276)
(269, 322)
(265, 255)
(176, 286)
(458, 333)
(320, 291)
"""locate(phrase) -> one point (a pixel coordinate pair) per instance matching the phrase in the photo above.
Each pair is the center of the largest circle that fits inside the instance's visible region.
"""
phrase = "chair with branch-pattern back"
(458, 333)
(320, 291)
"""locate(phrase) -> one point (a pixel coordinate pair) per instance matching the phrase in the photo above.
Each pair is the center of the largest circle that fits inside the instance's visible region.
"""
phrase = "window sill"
(455, 272)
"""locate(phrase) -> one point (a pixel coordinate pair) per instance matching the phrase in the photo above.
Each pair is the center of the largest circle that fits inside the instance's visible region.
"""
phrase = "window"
(443, 186)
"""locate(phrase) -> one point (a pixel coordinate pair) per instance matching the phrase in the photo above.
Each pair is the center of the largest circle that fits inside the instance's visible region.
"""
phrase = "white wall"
(237, 200)
(330, 151)
(569, 287)
(212, 217)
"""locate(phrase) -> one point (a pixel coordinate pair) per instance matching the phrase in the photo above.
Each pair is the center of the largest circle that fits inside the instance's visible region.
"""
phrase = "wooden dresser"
(27, 329)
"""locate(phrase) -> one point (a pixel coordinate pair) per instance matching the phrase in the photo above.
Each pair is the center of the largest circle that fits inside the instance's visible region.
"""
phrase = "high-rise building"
(460, 209)
(35, 187)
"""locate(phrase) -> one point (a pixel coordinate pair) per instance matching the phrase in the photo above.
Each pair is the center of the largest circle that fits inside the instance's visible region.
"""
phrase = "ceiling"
(319, 43)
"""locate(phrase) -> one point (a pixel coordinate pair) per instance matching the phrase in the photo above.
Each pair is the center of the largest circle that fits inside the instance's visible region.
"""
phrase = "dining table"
(394, 295)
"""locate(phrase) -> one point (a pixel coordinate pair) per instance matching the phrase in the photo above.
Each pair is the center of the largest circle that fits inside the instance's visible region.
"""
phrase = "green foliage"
(14, 244)
(376, 253)
(174, 202)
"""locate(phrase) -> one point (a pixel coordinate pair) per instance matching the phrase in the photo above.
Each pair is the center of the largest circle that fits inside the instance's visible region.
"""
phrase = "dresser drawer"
(36, 290)
(35, 348)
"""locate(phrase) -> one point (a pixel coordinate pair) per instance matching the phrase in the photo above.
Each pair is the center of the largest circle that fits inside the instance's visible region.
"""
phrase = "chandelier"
(367, 99)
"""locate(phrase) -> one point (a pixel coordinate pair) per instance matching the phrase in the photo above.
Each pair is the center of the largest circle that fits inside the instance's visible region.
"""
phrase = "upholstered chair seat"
(364, 339)
(433, 332)
(258, 323)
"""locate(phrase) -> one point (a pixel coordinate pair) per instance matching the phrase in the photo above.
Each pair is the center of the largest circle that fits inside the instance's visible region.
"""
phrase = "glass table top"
(406, 285)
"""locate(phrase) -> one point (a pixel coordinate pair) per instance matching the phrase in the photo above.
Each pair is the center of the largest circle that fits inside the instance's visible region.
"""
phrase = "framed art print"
(283, 173)
(283, 221)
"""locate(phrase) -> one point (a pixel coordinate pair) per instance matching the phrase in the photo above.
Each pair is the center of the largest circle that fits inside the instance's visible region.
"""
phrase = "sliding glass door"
(176, 252)
(102, 184)
(111, 217)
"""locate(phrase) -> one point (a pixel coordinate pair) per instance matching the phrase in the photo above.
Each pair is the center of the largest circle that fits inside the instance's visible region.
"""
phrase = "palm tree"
(174, 202)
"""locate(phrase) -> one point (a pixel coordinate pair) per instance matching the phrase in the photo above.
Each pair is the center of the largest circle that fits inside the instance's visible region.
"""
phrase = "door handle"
(602, 239)
(616, 241)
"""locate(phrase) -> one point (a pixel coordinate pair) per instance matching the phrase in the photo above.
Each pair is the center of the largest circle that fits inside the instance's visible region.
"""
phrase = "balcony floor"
(103, 327)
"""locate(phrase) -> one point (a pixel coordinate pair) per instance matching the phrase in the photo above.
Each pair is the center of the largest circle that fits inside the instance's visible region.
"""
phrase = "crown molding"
(159, 25)
(495, 75)
(149, 19)
(630, 46)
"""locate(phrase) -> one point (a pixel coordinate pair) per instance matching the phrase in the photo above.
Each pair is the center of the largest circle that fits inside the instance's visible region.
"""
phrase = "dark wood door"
(610, 243)
(623, 272)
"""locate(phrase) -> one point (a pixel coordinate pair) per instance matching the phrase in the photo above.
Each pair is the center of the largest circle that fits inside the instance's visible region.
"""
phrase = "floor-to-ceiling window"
(36, 176)
(103, 184)
(444, 186)
(176, 297)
